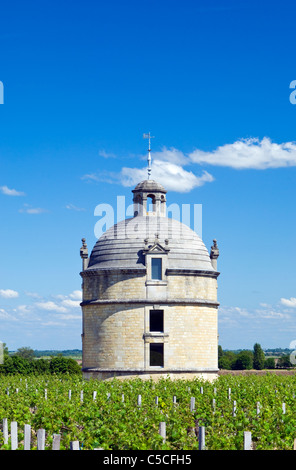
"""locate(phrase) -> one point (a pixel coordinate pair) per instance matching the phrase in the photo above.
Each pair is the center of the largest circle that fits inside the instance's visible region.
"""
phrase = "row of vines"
(125, 415)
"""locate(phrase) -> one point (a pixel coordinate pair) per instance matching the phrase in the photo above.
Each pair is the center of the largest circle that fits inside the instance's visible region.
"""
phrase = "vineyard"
(126, 415)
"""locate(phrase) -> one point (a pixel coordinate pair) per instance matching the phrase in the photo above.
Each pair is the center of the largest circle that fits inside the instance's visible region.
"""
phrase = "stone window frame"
(163, 351)
(153, 337)
(156, 251)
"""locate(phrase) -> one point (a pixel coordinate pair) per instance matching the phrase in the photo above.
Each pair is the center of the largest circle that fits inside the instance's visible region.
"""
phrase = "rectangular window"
(156, 320)
(156, 354)
(156, 268)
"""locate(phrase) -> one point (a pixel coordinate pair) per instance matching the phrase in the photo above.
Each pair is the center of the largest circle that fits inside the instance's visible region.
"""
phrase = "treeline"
(24, 362)
(247, 360)
(55, 352)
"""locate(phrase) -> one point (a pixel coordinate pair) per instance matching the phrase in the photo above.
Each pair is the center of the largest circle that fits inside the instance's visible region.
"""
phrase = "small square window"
(156, 268)
(156, 320)
(156, 354)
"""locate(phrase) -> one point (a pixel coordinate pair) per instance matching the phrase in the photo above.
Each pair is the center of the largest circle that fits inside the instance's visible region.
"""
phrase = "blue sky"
(82, 82)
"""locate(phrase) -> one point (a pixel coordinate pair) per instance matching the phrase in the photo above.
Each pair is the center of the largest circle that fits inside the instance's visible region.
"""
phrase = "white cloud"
(4, 315)
(70, 316)
(167, 169)
(271, 313)
(24, 308)
(10, 192)
(172, 176)
(51, 306)
(72, 300)
(249, 154)
(104, 154)
(32, 210)
(8, 293)
(72, 207)
(289, 302)
(76, 295)
(71, 303)
(62, 302)
(168, 164)
(34, 295)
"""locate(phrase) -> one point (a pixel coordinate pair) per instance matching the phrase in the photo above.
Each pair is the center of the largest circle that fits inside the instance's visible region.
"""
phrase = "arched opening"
(137, 205)
(150, 203)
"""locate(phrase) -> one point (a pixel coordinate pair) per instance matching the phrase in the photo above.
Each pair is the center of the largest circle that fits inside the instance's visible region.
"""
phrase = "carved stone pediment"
(156, 248)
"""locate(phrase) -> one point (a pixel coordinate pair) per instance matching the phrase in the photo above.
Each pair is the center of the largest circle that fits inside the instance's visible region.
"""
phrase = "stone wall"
(124, 285)
(116, 335)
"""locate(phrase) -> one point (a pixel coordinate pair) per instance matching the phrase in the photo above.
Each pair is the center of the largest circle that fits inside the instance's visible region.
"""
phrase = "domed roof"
(149, 185)
(121, 247)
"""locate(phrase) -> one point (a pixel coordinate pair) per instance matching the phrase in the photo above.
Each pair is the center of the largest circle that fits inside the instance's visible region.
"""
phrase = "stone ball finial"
(83, 249)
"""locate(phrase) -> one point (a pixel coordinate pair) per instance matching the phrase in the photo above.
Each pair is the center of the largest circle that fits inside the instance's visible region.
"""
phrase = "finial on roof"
(84, 254)
(149, 137)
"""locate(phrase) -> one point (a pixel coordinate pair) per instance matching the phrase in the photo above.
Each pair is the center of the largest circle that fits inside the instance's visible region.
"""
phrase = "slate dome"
(121, 246)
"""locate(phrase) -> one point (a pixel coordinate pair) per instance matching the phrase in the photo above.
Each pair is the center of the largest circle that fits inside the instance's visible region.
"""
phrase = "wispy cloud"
(8, 293)
(72, 207)
(34, 295)
(51, 306)
(10, 192)
(167, 169)
(170, 165)
(171, 175)
(104, 154)
(234, 315)
(62, 303)
(76, 295)
(4, 315)
(103, 176)
(32, 210)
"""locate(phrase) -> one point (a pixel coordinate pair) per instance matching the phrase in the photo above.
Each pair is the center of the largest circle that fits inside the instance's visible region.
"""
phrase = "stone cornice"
(155, 370)
(191, 272)
(103, 271)
(142, 270)
(155, 301)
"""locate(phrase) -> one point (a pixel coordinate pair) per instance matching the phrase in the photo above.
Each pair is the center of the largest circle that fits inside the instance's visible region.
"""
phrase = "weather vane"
(149, 137)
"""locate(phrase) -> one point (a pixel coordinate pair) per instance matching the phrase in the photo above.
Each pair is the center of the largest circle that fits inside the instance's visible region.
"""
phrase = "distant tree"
(244, 360)
(25, 352)
(269, 363)
(258, 361)
(226, 360)
(41, 366)
(17, 365)
(62, 365)
(220, 352)
(225, 363)
(284, 361)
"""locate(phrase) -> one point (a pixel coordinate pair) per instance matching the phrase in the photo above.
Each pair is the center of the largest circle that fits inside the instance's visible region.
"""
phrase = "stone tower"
(150, 297)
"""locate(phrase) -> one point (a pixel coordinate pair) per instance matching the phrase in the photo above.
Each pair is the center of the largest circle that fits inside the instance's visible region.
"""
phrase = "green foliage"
(111, 423)
(284, 361)
(17, 364)
(244, 361)
(227, 360)
(269, 363)
(64, 365)
(25, 352)
(258, 361)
